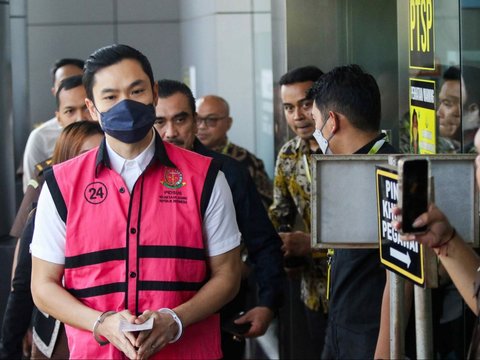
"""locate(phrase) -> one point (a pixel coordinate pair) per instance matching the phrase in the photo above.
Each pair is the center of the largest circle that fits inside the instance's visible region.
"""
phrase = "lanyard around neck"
(372, 151)
(307, 168)
(376, 147)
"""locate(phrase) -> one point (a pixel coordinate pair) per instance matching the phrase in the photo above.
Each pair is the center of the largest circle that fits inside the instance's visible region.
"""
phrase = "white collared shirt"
(130, 170)
(220, 227)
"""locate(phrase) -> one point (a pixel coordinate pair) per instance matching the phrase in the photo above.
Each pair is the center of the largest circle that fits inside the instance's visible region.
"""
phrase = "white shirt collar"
(143, 159)
(124, 167)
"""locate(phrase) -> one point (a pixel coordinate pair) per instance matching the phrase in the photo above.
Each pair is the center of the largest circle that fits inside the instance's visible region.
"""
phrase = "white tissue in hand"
(125, 326)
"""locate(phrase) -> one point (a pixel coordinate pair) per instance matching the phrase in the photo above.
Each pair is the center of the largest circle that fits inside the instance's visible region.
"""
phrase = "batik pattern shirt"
(291, 198)
(255, 167)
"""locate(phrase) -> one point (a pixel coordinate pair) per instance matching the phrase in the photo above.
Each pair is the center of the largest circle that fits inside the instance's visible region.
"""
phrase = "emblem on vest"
(95, 193)
(173, 179)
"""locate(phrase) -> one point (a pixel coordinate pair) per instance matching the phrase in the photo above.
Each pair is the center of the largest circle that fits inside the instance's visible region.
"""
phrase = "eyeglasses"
(210, 121)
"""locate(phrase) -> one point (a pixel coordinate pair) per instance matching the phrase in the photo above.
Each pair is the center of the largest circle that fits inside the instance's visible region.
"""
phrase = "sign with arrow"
(403, 257)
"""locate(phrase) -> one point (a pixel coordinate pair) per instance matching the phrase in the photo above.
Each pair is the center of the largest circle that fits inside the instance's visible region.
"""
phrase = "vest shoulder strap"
(208, 186)
(56, 193)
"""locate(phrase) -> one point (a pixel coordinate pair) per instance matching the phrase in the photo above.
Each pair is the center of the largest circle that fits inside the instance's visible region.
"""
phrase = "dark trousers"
(342, 343)
(317, 328)
(233, 348)
(301, 330)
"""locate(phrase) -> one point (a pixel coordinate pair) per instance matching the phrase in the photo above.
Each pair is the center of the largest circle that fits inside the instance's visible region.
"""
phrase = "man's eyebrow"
(133, 84)
(181, 114)
(108, 90)
(136, 83)
(449, 98)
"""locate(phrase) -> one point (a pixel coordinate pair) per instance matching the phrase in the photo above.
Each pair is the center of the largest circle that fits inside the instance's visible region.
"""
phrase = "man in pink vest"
(134, 231)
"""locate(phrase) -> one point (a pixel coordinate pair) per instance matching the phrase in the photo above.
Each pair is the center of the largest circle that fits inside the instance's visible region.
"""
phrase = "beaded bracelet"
(97, 322)
(177, 320)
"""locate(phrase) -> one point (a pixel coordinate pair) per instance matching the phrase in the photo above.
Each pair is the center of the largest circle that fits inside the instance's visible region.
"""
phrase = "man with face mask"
(135, 232)
(177, 123)
(347, 115)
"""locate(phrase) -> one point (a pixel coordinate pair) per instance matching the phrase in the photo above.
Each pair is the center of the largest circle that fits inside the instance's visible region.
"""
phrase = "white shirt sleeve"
(30, 158)
(39, 147)
(48, 242)
(219, 224)
(220, 227)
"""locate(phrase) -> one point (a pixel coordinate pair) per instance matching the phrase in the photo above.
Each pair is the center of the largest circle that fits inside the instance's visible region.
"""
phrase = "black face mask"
(128, 121)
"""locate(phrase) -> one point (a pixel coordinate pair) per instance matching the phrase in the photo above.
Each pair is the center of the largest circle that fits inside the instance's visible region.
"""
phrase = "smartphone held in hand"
(413, 182)
(236, 329)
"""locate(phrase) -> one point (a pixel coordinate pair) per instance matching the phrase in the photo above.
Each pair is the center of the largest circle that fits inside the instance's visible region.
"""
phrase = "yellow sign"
(402, 257)
(422, 117)
(421, 34)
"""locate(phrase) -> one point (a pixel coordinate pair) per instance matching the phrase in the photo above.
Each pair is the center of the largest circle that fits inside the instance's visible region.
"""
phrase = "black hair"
(471, 78)
(67, 84)
(64, 62)
(301, 74)
(110, 55)
(352, 92)
(72, 138)
(167, 88)
(452, 73)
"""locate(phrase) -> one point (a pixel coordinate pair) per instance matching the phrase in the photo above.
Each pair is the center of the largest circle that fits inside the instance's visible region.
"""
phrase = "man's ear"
(335, 122)
(92, 109)
(229, 123)
(58, 119)
(52, 89)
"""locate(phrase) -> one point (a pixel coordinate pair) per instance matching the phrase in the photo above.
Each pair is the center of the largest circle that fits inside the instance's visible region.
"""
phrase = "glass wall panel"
(340, 32)
(470, 56)
(429, 48)
(382, 36)
(262, 44)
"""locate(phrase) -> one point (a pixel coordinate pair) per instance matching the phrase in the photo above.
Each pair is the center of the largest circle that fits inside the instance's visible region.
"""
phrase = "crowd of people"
(142, 225)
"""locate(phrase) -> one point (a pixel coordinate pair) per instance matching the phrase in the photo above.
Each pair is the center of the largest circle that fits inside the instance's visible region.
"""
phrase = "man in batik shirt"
(291, 200)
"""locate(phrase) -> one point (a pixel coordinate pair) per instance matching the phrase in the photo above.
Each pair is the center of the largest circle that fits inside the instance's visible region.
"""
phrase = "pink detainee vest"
(136, 251)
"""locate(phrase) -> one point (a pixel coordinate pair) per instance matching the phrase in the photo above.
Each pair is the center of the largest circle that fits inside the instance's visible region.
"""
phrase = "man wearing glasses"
(213, 123)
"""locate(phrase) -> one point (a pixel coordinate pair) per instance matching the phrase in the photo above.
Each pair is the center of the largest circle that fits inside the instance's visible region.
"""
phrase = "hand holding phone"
(236, 329)
(413, 190)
